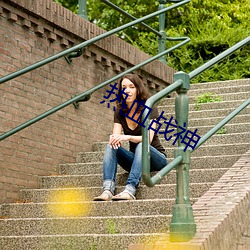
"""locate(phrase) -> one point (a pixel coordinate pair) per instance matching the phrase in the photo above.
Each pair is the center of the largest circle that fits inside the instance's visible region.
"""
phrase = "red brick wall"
(29, 32)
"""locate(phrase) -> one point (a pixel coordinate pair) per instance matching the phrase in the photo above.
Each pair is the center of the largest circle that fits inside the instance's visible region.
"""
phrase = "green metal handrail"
(182, 227)
(150, 182)
(86, 95)
(82, 45)
(162, 38)
(176, 85)
(218, 58)
(82, 9)
(211, 132)
(130, 16)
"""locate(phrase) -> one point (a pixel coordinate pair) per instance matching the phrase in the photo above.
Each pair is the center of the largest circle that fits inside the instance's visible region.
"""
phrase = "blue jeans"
(132, 163)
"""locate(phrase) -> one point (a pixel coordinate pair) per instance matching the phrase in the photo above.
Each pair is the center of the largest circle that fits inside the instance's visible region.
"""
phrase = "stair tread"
(170, 158)
(207, 145)
(221, 83)
(100, 174)
(84, 235)
(218, 90)
(99, 224)
(229, 110)
(205, 103)
(76, 241)
(84, 188)
(109, 208)
(193, 95)
(85, 217)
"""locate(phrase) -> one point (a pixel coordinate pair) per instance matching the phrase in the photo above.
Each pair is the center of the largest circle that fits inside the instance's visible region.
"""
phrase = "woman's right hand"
(116, 139)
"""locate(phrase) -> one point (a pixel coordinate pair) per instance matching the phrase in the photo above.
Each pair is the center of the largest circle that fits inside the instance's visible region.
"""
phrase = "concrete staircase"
(62, 215)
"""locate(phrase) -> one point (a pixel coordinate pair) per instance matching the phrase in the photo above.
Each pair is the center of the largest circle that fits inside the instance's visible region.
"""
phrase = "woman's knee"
(139, 147)
(109, 150)
(138, 150)
(107, 147)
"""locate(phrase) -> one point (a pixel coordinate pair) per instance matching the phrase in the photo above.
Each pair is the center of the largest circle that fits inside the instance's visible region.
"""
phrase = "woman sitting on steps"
(132, 92)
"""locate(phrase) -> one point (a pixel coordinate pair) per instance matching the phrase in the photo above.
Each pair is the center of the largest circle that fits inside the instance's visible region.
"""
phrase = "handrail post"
(82, 9)
(182, 227)
(163, 37)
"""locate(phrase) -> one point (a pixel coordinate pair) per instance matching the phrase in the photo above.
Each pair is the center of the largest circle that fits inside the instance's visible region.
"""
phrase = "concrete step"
(224, 97)
(229, 128)
(218, 89)
(204, 113)
(169, 105)
(222, 149)
(88, 208)
(195, 122)
(220, 161)
(87, 193)
(76, 242)
(215, 139)
(69, 181)
(219, 84)
(204, 150)
(86, 225)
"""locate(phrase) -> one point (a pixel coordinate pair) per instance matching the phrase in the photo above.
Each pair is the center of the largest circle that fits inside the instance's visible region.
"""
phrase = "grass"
(206, 98)
(111, 227)
(92, 247)
(222, 131)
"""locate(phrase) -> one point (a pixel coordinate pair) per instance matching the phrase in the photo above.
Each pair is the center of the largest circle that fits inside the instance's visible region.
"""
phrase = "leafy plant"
(222, 131)
(206, 98)
(93, 247)
(111, 226)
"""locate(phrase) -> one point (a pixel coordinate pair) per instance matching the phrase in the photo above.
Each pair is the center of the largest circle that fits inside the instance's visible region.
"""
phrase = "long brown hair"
(141, 93)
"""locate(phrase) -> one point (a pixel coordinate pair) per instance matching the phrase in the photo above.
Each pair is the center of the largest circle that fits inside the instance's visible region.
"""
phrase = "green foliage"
(111, 226)
(69, 4)
(222, 131)
(93, 247)
(206, 98)
(213, 27)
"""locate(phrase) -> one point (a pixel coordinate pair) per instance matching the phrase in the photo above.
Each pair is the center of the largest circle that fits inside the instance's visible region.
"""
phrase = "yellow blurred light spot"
(68, 203)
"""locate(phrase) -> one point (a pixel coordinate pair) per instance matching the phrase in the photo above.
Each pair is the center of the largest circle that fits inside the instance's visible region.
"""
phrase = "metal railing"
(115, 7)
(77, 48)
(162, 37)
(182, 226)
(86, 95)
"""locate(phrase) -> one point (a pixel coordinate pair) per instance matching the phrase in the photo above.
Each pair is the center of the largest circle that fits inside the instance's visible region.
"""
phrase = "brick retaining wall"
(29, 32)
(222, 214)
